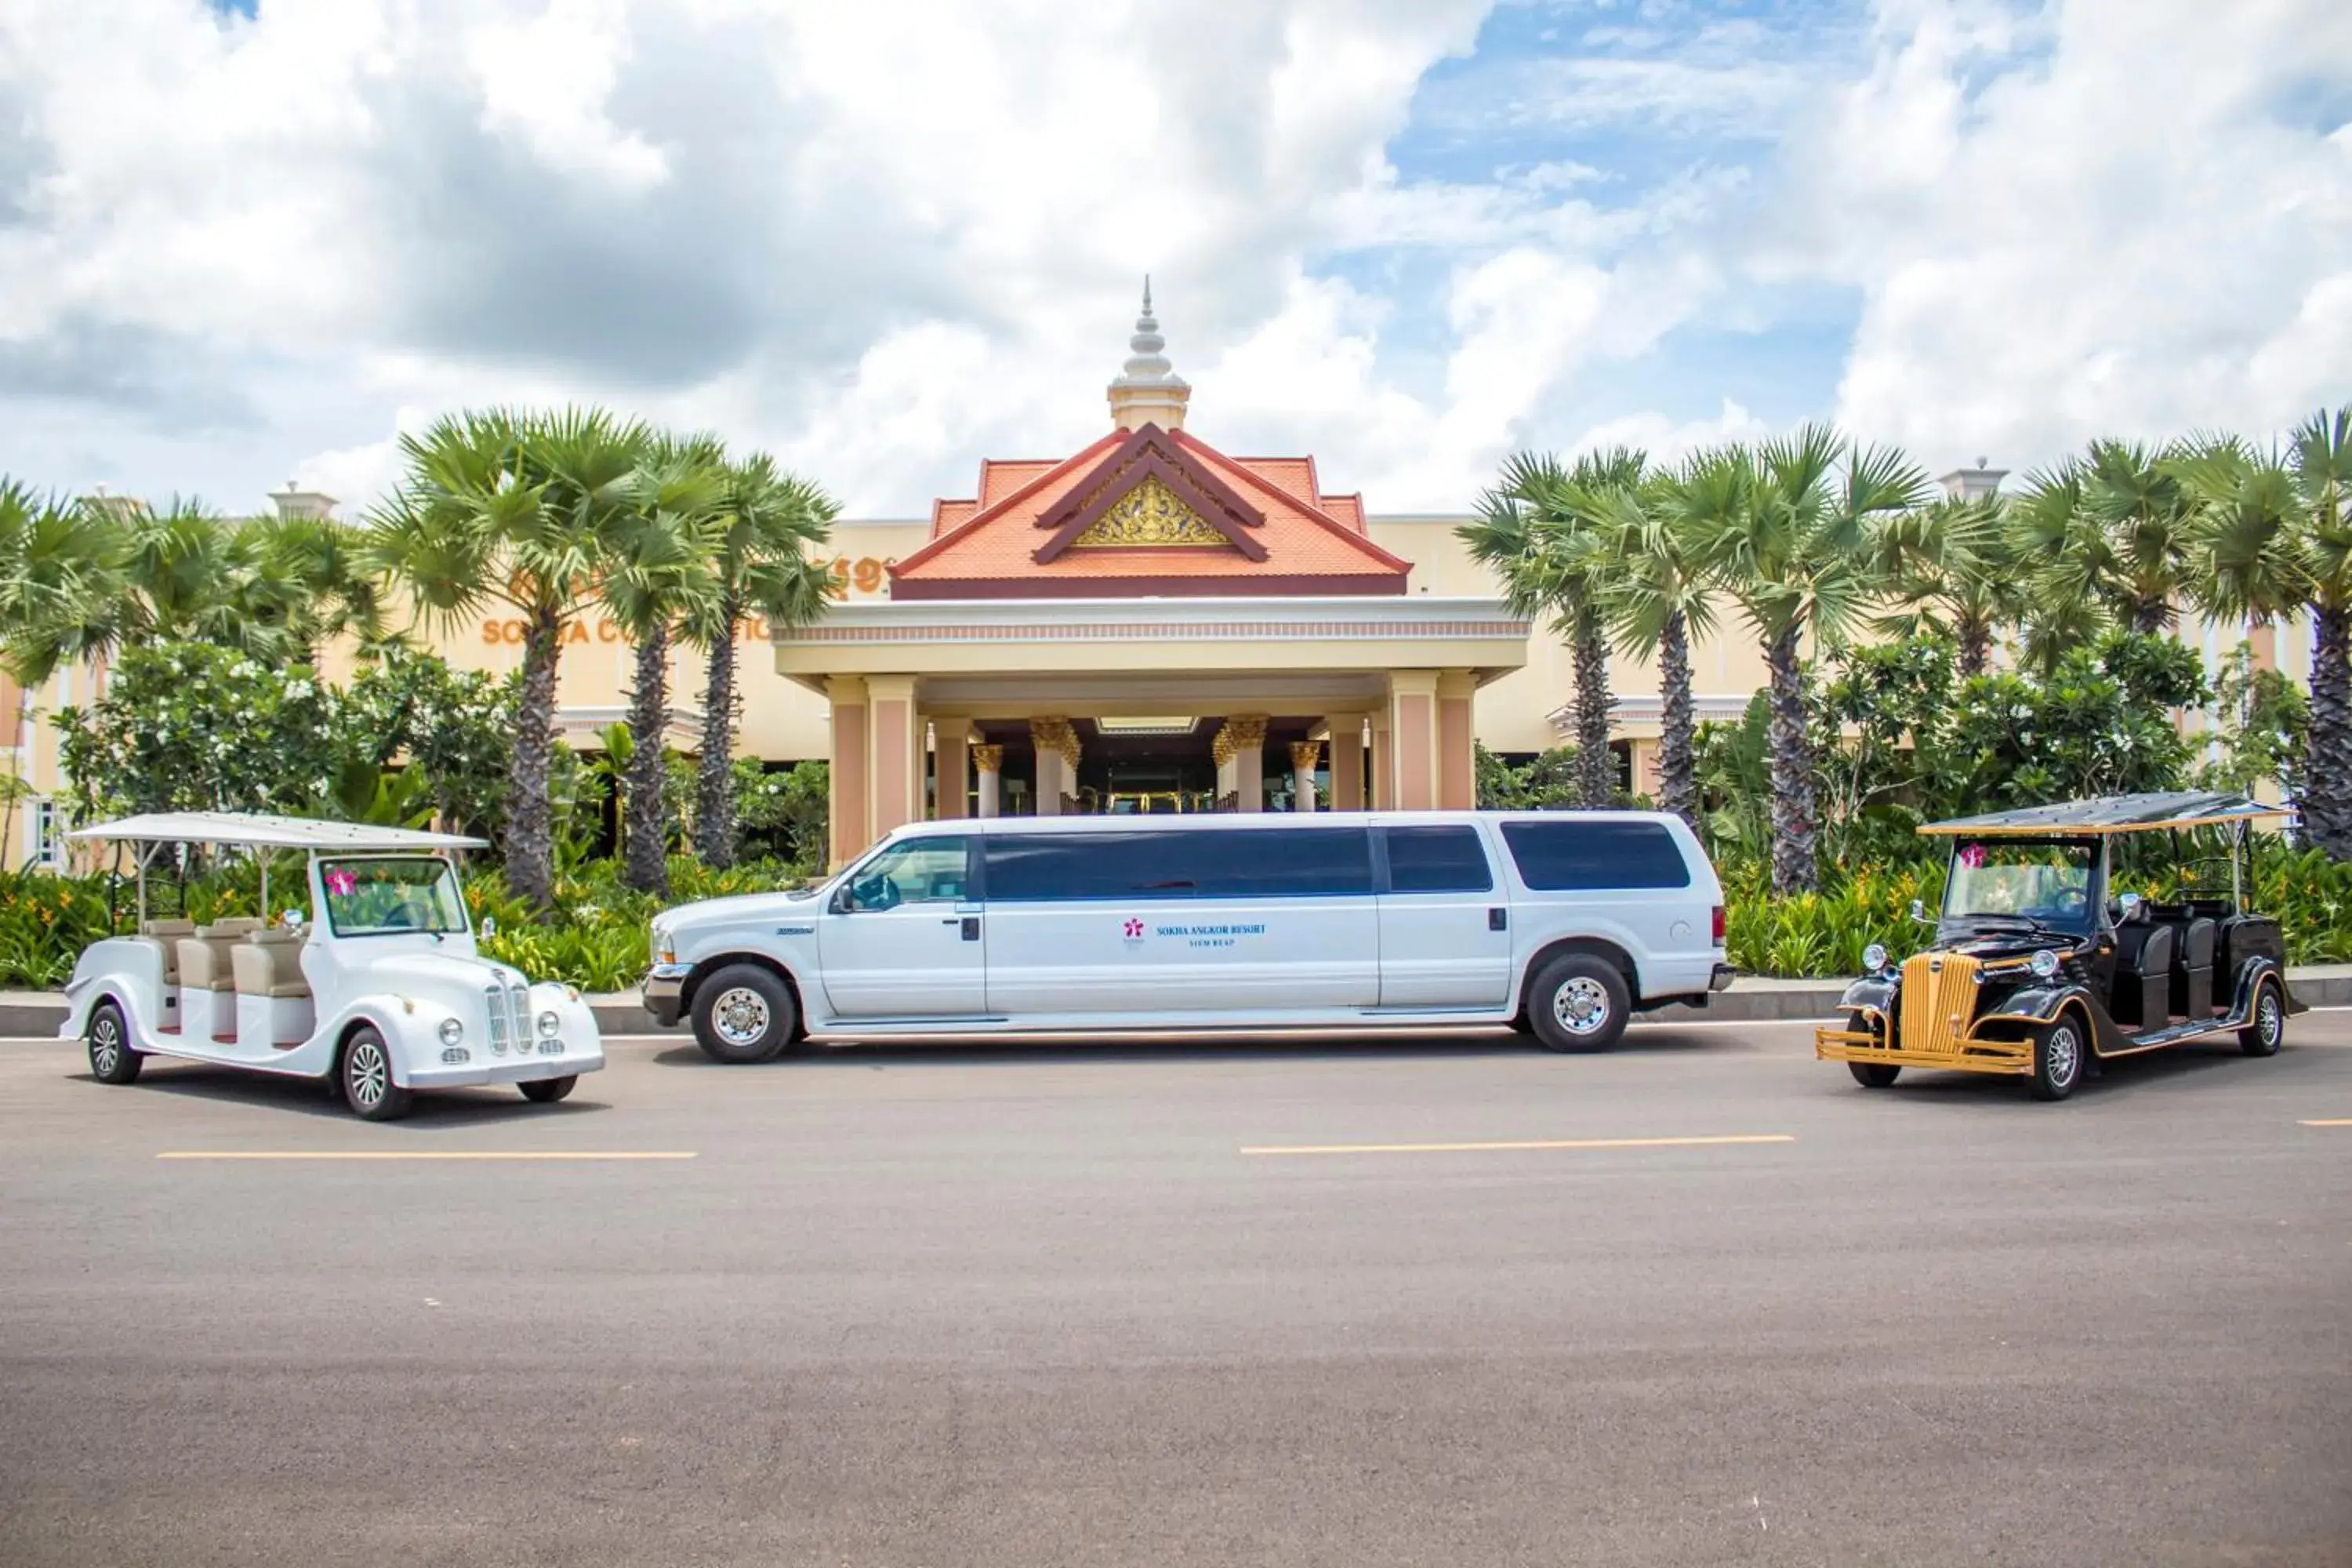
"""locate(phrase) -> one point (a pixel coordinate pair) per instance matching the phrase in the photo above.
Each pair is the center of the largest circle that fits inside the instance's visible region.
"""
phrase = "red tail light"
(1719, 922)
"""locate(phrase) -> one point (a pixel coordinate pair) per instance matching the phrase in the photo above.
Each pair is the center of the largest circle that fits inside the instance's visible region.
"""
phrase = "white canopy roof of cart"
(262, 831)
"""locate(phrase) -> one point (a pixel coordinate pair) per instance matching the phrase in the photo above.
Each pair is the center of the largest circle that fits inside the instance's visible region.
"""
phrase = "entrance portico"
(1148, 625)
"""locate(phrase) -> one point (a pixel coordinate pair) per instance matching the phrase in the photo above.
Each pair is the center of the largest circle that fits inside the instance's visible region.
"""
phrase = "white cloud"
(548, 81)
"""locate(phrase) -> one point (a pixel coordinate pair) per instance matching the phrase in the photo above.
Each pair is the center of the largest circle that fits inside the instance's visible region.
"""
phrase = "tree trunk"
(1975, 648)
(714, 783)
(645, 864)
(2327, 754)
(2150, 617)
(1596, 767)
(1678, 780)
(1795, 867)
(530, 814)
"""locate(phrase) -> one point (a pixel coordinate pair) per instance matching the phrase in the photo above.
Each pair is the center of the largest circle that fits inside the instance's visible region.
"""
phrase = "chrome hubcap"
(2267, 1020)
(106, 1044)
(2065, 1055)
(739, 1015)
(1580, 1006)
(368, 1073)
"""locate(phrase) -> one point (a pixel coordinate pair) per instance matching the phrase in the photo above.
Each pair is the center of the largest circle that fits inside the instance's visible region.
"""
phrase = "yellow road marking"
(424, 1154)
(2332, 1121)
(1520, 1144)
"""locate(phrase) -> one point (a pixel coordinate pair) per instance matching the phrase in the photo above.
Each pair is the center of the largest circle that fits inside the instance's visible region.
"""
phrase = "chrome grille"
(518, 1011)
(492, 1002)
(1939, 1000)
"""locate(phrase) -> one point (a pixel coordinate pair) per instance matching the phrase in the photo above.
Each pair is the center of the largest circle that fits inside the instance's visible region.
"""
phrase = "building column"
(1381, 785)
(1304, 756)
(990, 760)
(1242, 743)
(1057, 762)
(846, 816)
(1412, 739)
(950, 767)
(1347, 761)
(1457, 763)
(897, 754)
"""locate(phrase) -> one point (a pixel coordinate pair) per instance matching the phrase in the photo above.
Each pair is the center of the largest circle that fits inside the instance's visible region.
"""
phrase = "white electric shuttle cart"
(382, 994)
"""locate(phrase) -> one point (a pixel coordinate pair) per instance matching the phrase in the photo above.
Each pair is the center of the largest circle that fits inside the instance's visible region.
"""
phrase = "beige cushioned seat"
(163, 937)
(203, 957)
(269, 964)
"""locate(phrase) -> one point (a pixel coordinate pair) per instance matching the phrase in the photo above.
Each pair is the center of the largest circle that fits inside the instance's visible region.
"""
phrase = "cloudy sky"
(242, 240)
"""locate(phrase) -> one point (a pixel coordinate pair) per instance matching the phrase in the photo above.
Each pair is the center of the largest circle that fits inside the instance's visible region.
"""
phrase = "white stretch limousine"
(1561, 923)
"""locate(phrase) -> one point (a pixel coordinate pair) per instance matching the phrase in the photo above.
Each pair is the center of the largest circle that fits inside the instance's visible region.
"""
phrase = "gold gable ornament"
(1150, 515)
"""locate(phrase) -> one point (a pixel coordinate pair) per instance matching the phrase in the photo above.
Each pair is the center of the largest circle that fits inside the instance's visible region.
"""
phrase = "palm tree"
(308, 583)
(658, 582)
(771, 527)
(501, 507)
(65, 590)
(1662, 595)
(1537, 532)
(2104, 538)
(1951, 571)
(2319, 461)
(1788, 528)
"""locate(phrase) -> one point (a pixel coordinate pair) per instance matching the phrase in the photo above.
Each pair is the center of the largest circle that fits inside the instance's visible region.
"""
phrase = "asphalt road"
(1045, 1306)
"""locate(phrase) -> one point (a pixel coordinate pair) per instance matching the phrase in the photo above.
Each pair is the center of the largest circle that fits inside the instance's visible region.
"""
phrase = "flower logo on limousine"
(1133, 930)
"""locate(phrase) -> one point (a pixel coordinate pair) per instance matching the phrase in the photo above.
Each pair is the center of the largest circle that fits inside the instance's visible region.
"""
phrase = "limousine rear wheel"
(1578, 1003)
(744, 1014)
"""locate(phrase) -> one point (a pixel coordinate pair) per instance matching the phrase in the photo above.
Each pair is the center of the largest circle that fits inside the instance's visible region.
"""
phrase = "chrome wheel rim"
(368, 1074)
(2065, 1055)
(1580, 1006)
(739, 1017)
(2267, 1020)
(105, 1044)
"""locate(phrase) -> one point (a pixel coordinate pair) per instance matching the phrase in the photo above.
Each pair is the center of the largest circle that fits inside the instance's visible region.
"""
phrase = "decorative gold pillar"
(951, 768)
(897, 752)
(1412, 739)
(1058, 763)
(1304, 756)
(845, 819)
(990, 760)
(1457, 763)
(1240, 743)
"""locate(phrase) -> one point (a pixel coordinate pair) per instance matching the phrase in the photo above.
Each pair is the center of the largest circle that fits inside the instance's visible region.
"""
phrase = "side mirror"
(840, 903)
(1919, 913)
(490, 926)
(2130, 904)
(294, 918)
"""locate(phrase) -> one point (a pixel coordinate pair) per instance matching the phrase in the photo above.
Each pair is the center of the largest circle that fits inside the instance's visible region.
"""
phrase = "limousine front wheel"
(1578, 1003)
(744, 1014)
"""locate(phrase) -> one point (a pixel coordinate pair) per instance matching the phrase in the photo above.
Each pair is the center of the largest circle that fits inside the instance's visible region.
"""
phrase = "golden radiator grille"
(1939, 999)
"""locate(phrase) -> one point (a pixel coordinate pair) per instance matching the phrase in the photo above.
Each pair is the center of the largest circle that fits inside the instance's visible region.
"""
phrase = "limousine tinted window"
(1438, 860)
(1219, 863)
(1568, 855)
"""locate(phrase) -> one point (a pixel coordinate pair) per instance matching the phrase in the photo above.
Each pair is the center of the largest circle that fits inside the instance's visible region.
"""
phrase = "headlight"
(665, 947)
(1874, 957)
(452, 1031)
(2044, 964)
(548, 1024)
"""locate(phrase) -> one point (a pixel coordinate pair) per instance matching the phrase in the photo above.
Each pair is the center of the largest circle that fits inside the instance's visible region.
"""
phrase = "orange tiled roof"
(991, 549)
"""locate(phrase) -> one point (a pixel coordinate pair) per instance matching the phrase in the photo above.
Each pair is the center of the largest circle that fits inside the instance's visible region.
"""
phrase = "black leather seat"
(2192, 969)
(2143, 975)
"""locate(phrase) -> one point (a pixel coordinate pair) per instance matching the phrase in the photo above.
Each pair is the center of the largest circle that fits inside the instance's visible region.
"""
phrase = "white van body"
(1096, 924)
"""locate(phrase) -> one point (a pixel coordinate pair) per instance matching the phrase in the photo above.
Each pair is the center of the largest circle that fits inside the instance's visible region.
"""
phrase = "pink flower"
(342, 884)
(1972, 856)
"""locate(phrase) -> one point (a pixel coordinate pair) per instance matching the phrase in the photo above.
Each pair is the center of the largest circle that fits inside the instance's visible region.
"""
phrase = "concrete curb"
(34, 1014)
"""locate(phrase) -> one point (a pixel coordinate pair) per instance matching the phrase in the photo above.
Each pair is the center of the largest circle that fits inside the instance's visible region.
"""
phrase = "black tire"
(744, 1014)
(2263, 1037)
(548, 1091)
(111, 1059)
(1578, 1003)
(2062, 1055)
(1870, 1074)
(364, 1072)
